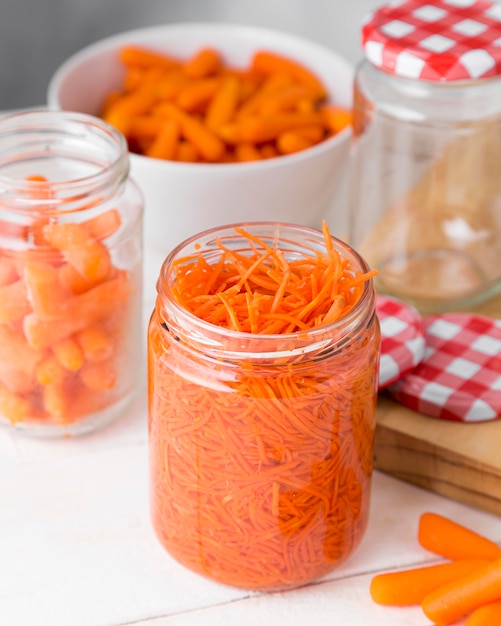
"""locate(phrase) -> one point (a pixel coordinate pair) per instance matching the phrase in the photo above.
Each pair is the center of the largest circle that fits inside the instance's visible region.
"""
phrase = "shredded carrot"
(453, 540)
(219, 107)
(460, 597)
(261, 472)
(409, 587)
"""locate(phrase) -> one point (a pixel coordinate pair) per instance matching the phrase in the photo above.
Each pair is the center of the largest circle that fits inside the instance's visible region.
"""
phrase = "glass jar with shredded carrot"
(263, 350)
(70, 273)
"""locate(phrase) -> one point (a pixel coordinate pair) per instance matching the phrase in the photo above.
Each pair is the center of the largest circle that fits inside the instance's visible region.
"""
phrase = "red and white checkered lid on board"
(435, 40)
(460, 376)
(402, 339)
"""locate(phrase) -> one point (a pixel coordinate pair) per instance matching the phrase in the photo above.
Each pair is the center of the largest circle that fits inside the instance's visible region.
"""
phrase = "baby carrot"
(103, 225)
(488, 615)
(69, 354)
(260, 129)
(203, 63)
(337, 118)
(268, 62)
(14, 407)
(95, 343)
(119, 113)
(87, 255)
(8, 271)
(247, 152)
(142, 57)
(14, 303)
(165, 144)
(224, 104)
(99, 376)
(271, 85)
(452, 540)
(187, 153)
(208, 144)
(286, 100)
(290, 142)
(49, 371)
(196, 95)
(16, 352)
(409, 587)
(448, 603)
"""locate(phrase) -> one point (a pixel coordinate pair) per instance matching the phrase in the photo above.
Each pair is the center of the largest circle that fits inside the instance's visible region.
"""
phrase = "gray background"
(36, 36)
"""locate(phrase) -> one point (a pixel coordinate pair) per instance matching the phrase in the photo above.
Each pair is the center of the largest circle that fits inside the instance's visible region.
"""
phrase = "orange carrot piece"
(72, 280)
(83, 309)
(261, 129)
(56, 400)
(291, 142)
(69, 354)
(47, 295)
(269, 151)
(13, 407)
(207, 143)
(87, 255)
(337, 118)
(14, 303)
(99, 376)
(165, 144)
(409, 587)
(448, 603)
(267, 62)
(143, 57)
(452, 540)
(196, 95)
(271, 85)
(187, 153)
(314, 133)
(203, 63)
(49, 371)
(8, 271)
(247, 152)
(286, 100)
(134, 103)
(16, 352)
(95, 343)
(144, 127)
(15, 380)
(223, 106)
(103, 225)
(488, 615)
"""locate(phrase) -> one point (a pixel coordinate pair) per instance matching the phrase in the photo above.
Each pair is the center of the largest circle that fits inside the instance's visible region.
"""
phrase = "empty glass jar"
(427, 151)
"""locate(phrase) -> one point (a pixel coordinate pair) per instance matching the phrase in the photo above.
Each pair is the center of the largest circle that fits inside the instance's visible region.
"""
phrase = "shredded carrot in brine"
(261, 467)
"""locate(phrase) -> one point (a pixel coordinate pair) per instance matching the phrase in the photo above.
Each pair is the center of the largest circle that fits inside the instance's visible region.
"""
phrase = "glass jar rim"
(110, 144)
(210, 336)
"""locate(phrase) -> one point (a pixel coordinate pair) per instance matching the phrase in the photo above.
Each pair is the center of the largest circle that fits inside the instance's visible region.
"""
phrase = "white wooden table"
(77, 547)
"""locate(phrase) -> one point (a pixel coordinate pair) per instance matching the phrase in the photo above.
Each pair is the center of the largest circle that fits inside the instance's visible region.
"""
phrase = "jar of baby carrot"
(70, 273)
(262, 364)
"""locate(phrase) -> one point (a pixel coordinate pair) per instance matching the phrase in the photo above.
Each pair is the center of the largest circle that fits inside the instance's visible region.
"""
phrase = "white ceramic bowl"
(182, 199)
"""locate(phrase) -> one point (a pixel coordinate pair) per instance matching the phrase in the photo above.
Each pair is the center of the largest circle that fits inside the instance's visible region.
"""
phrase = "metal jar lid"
(435, 40)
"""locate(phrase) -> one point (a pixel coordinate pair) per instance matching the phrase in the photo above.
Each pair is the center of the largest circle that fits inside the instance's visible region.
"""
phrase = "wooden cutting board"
(458, 460)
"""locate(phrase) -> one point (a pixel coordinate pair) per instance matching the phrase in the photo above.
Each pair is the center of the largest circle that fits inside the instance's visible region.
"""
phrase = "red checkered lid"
(460, 376)
(435, 40)
(402, 339)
